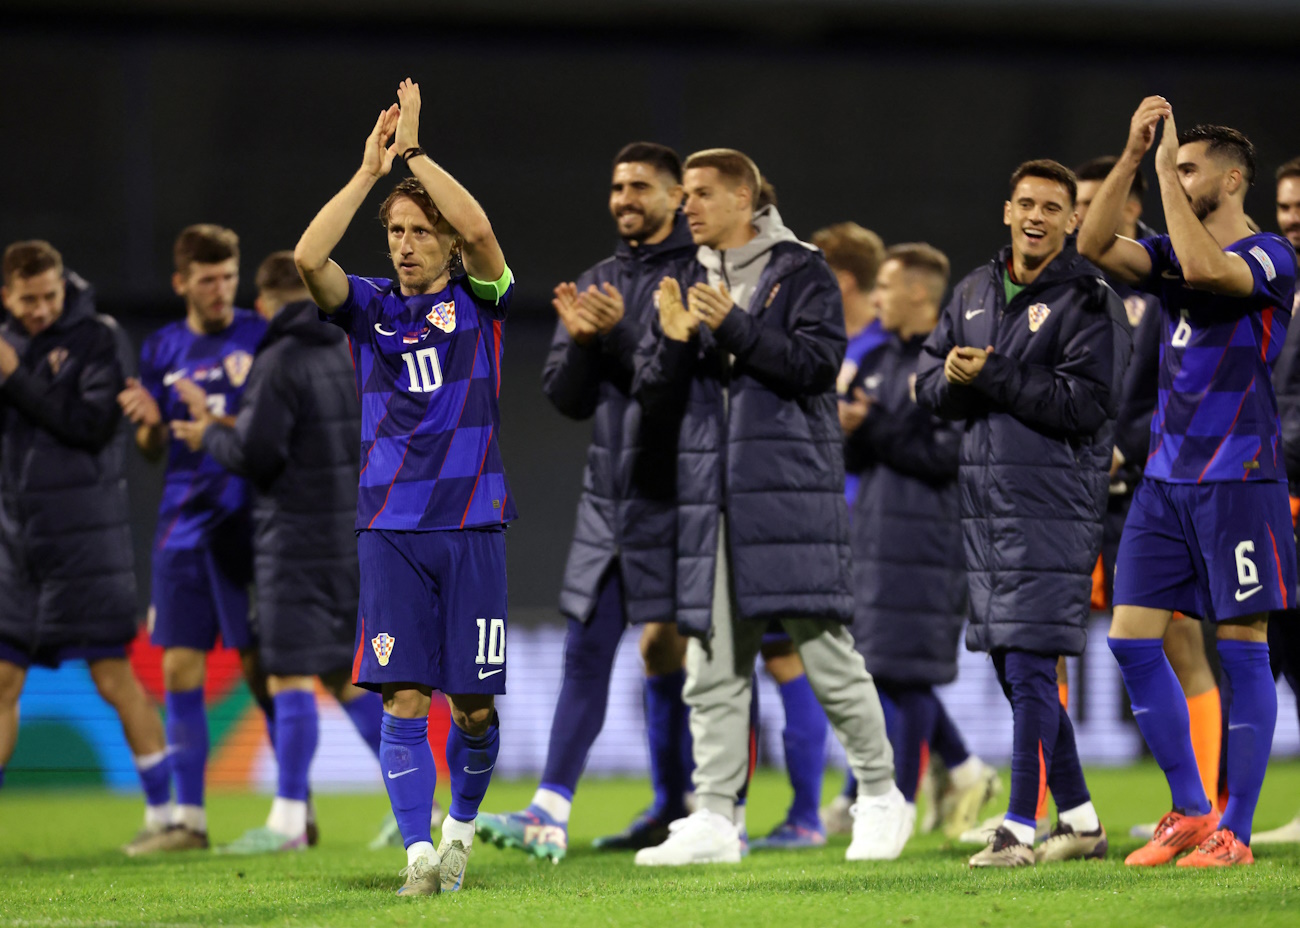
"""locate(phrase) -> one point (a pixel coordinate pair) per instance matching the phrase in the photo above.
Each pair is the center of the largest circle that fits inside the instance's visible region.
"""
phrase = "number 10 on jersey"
(491, 641)
(423, 370)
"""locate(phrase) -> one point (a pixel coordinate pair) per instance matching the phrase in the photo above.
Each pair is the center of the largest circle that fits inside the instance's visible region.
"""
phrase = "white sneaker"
(836, 817)
(1286, 834)
(983, 832)
(881, 826)
(453, 853)
(703, 837)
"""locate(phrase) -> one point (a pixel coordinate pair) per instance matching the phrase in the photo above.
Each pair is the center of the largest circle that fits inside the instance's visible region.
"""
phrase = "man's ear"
(178, 283)
(1006, 213)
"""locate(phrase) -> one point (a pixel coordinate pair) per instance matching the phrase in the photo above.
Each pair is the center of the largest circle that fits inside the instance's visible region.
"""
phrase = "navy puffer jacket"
(760, 438)
(1036, 453)
(64, 516)
(909, 566)
(295, 439)
(627, 511)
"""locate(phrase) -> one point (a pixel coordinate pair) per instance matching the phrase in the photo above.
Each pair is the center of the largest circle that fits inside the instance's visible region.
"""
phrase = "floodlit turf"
(59, 866)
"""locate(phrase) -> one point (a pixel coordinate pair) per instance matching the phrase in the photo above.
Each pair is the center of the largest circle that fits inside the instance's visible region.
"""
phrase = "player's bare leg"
(143, 727)
(12, 678)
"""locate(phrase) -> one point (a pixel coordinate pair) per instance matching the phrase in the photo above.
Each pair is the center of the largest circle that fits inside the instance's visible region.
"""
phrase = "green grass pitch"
(59, 866)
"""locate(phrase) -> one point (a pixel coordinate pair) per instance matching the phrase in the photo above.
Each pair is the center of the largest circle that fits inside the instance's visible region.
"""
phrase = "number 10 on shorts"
(491, 641)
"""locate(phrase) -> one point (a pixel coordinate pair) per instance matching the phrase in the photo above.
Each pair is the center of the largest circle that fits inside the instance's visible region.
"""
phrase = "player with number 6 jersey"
(433, 502)
(1209, 532)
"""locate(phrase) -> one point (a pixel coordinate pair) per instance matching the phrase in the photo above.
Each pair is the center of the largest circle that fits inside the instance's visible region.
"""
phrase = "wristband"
(412, 153)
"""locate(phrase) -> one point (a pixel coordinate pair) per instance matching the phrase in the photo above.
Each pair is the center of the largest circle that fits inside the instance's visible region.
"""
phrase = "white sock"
(738, 818)
(158, 816)
(553, 804)
(1024, 833)
(968, 773)
(1081, 818)
(192, 817)
(421, 849)
(453, 830)
(288, 817)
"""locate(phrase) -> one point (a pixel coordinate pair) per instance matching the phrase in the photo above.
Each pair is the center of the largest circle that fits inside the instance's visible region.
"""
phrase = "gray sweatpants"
(718, 691)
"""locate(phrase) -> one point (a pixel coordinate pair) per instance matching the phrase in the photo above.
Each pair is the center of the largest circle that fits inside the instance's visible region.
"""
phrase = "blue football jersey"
(1216, 415)
(428, 371)
(198, 493)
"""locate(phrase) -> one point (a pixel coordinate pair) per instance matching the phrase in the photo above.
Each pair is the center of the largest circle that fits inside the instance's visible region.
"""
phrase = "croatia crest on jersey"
(383, 645)
(1038, 314)
(237, 365)
(443, 315)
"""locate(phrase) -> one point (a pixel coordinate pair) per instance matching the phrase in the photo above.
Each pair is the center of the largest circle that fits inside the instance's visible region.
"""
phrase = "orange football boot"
(1175, 833)
(1221, 849)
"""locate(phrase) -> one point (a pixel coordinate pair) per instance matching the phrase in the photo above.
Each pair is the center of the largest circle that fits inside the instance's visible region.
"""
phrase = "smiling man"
(1209, 532)
(1030, 353)
(620, 567)
(433, 503)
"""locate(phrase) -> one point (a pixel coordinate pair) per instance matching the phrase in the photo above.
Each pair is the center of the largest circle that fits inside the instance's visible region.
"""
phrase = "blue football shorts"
(1216, 551)
(432, 610)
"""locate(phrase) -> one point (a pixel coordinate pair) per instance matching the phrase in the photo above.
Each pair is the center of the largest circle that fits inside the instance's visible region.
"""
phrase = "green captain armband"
(492, 290)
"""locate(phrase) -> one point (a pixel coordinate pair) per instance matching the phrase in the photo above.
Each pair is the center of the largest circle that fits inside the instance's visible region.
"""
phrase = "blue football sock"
(589, 650)
(156, 780)
(804, 739)
(1029, 683)
(914, 722)
(664, 719)
(470, 761)
(1065, 773)
(946, 740)
(1251, 721)
(267, 706)
(409, 775)
(187, 742)
(297, 732)
(367, 714)
(2, 776)
(1160, 709)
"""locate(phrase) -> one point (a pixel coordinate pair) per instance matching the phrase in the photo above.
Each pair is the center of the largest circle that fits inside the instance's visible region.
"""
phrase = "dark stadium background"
(905, 116)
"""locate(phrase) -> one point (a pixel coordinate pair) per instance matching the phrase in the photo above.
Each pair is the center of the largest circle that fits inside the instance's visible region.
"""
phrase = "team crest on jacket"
(56, 359)
(1134, 307)
(443, 315)
(1038, 314)
(237, 365)
(383, 645)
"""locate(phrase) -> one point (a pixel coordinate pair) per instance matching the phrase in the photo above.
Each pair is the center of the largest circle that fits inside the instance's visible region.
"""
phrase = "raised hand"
(378, 157)
(710, 305)
(1167, 153)
(604, 307)
(408, 120)
(573, 320)
(676, 322)
(138, 404)
(1142, 128)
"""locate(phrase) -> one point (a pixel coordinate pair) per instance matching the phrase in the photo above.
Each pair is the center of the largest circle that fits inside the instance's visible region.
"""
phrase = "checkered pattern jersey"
(428, 371)
(198, 493)
(1216, 417)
